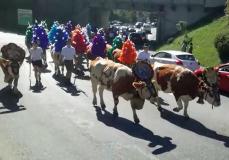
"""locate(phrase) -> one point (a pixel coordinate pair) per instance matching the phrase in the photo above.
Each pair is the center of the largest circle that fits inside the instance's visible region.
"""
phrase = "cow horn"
(4, 62)
(139, 84)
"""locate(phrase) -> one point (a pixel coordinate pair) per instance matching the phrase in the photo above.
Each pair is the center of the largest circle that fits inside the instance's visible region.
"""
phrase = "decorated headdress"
(78, 40)
(29, 34)
(128, 55)
(98, 46)
(89, 30)
(117, 43)
(61, 37)
(85, 35)
(69, 27)
(39, 33)
(52, 32)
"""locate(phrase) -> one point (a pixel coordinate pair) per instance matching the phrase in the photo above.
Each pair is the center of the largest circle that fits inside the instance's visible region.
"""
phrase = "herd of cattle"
(121, 81)
(169, 78)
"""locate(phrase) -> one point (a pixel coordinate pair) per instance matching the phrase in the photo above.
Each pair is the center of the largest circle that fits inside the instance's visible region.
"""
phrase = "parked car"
(138, 24)
(176, 57)
(223, 73)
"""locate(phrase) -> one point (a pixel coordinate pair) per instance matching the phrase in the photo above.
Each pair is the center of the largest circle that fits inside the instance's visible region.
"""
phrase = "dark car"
(138, 39)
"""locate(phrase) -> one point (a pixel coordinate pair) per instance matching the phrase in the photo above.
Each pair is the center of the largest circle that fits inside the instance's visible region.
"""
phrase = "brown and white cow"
(184, 85)
(12, 58)
(59, 65)
(117, 78)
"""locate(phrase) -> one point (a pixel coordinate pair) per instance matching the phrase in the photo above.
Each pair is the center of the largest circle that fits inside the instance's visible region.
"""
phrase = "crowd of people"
(70, 44)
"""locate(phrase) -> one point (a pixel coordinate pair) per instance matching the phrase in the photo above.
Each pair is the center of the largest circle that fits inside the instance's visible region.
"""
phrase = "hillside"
(203, 41)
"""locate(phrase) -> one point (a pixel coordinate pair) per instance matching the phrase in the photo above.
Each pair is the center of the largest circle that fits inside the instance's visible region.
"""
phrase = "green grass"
(203, 41)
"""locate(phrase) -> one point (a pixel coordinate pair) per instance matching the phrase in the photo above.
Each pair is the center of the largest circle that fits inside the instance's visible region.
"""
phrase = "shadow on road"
(80, 74)
(194, 126)
(162, 102)
(137, 131)
(37, 89)
(45, 70)
(9, 101)
(71, 89)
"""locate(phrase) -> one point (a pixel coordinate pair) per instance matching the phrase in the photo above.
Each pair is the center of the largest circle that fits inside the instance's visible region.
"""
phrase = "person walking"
(144, 55)
(68, 55)
(190, 48)
(36, 53)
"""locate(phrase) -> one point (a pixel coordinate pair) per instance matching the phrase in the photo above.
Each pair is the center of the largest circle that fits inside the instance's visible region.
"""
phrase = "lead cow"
(12, 58)
(119, 79)
(184, 85)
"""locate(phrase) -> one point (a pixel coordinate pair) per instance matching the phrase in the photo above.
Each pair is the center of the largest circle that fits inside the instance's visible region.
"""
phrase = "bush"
(222, 45)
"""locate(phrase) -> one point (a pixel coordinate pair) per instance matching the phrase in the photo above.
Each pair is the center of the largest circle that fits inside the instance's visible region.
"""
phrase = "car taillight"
(179, 62)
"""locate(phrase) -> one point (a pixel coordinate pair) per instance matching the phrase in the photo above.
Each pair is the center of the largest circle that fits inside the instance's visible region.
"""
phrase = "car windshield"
(186, 57)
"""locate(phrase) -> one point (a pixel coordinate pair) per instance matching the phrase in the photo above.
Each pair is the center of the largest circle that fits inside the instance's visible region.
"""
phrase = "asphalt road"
(59, 123)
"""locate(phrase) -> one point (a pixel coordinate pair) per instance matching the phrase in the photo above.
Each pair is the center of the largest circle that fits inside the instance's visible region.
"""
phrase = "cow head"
(211, 79)
(144, 91)
(211, 76)
(211, 94)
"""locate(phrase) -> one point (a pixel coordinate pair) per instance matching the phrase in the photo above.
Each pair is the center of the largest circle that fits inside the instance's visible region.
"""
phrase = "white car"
(175, 57)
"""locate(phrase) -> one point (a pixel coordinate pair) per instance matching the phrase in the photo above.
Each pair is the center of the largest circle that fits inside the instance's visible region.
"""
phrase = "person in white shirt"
(144, 55)
(68, 55)
(36, 59)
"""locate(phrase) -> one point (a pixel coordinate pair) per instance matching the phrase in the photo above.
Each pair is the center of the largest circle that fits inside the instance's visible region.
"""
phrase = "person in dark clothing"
(190, 48)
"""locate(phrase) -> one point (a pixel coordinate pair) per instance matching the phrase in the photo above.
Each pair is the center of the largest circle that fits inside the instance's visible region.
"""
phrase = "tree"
(226, 10)
(222, 45)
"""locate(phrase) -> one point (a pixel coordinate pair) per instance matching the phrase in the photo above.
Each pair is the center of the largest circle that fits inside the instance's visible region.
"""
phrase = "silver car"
(175, 57)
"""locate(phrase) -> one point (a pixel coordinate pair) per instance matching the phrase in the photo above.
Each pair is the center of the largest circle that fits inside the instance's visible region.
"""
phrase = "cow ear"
(138, 85)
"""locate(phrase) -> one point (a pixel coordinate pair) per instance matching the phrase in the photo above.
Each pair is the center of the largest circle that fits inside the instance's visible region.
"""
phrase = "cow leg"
(10, 83)
(15, 90)
(159, 108)
(180, 106)
(136, 119)
(57, 71)
(62, 69)
(115, 110)
(94, 89)
(156, 102)
(101, 89)
(55, 68)
(87, 60)
(186, 109)
(44, 57)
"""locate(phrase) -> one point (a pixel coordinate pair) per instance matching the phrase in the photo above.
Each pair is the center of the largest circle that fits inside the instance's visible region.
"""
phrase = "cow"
(184, 85)
(59, 65)
(118, 79)
(209, 75)
(12, 59)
